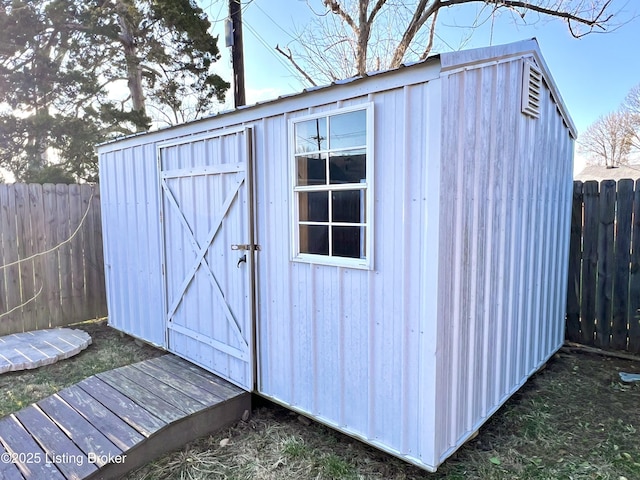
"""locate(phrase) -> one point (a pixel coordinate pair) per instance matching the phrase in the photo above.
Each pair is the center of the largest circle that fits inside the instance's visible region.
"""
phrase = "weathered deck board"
(151, 402)
(196, 374)
(113, 427)
(128, 410)
(71, 462)
(157, 387)
(8, 470)
(116, 421)
(77, 428)
(32, 461)
(192, 390)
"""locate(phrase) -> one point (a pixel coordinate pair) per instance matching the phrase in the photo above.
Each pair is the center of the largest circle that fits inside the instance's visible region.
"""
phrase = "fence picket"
(608, 217)
(573, 290)
(36, 212)
(634, 276)
(604, 288)
(624, 207)
(78, 300)
(64, 252)
(33, 220)
(4, 243)
(589, 262)
(11, 321)
(25, 250)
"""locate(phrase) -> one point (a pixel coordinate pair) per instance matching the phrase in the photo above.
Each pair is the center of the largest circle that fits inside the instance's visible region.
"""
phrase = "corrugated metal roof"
(448, 60)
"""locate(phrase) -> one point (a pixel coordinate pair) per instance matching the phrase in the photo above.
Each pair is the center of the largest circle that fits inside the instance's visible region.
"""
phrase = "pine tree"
(76, 73)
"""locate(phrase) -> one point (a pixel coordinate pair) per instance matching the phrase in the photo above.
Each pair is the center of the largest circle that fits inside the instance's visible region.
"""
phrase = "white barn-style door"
(209, 252)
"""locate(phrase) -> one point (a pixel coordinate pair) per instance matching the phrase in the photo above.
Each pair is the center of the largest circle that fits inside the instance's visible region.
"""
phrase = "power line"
(273, 21)
(272, 52)
(207, 9)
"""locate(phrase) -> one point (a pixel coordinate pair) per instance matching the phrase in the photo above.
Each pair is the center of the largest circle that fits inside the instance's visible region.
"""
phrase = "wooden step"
(116, 421)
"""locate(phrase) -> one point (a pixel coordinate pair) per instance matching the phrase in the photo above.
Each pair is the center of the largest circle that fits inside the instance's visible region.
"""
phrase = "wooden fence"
(603, 299)
(51, 265)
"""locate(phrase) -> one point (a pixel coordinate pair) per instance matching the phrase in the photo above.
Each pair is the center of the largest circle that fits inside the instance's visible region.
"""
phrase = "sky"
(593, 73)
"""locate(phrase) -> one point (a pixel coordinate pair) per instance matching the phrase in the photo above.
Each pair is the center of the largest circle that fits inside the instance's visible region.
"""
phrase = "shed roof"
(600, 173)
(448, 61)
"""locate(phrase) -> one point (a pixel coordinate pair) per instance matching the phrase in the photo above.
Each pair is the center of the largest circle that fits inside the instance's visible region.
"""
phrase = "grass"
(108, 350)
(573, 420)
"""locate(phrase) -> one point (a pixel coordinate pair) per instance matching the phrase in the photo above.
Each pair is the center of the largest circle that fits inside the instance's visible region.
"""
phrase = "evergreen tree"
(75, 73)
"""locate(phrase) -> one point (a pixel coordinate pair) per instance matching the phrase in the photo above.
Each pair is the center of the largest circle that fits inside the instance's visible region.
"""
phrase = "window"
(332, 166)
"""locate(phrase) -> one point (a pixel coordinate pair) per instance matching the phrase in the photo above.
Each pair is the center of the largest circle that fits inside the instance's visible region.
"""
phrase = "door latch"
(242, 259)
(245, 246)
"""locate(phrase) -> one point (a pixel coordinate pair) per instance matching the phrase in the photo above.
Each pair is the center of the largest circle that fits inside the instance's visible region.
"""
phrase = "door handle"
(242, 259)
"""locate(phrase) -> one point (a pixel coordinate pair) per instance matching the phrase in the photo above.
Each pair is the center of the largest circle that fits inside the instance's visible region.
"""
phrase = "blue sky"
(593, 73)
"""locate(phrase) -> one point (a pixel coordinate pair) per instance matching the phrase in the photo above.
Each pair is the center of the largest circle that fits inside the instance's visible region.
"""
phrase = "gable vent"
(531, 90)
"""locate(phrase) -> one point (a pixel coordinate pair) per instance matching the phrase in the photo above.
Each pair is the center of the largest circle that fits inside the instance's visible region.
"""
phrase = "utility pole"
(237, 56)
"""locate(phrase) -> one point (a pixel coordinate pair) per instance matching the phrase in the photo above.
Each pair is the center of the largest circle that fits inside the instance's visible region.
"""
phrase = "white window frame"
(367, 187)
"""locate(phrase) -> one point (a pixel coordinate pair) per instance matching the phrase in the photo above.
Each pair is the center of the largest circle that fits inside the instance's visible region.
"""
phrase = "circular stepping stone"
(23, 351)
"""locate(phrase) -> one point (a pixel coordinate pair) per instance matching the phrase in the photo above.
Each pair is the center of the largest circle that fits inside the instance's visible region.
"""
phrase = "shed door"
(208, 254)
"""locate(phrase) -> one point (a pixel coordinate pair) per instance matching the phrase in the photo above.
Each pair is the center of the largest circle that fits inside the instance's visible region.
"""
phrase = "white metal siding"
(131, 237)
(506, 187)
(466, 296)
(350, 347)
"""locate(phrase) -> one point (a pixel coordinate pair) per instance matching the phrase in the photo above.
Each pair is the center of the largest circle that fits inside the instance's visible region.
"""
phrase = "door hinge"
(245, 246)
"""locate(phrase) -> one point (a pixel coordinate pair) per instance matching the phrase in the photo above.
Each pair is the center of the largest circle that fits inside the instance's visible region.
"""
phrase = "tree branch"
(379, 4)
(421, 14)
(424, 10)
(289, 57)
(337, 9)
(432, 32)
(596, 21)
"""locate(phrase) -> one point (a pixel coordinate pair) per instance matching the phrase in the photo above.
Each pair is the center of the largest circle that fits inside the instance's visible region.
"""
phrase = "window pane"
(348, 242)
(313, 206)
(348, 206)
(348, 130)
(311, 170)
(311, 135)
(348, 167)
(314, 239)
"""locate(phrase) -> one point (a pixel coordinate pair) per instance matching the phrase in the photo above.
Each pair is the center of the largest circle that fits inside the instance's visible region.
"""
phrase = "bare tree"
(608, 140)
(631, 105)
(352, 37)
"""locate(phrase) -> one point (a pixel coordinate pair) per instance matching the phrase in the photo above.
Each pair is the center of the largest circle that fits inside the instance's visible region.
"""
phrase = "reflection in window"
(348, 130)
(348, 166)
(330, 158)
(311, 136)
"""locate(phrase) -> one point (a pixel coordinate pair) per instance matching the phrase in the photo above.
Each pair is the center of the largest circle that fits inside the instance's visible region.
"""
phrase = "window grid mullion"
(325, 187)
(330, 195)
(330, 220)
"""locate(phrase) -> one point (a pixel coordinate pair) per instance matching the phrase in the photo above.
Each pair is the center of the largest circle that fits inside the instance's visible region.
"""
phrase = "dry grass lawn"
(573, 420)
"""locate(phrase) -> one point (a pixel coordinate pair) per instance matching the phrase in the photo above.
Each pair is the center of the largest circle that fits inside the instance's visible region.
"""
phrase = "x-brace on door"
(209, 253)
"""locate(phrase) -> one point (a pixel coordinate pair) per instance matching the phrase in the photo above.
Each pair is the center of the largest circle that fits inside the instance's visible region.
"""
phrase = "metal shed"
(387, 255)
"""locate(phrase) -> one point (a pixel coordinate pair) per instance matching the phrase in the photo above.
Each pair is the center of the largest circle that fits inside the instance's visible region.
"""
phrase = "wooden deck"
(116, 421)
